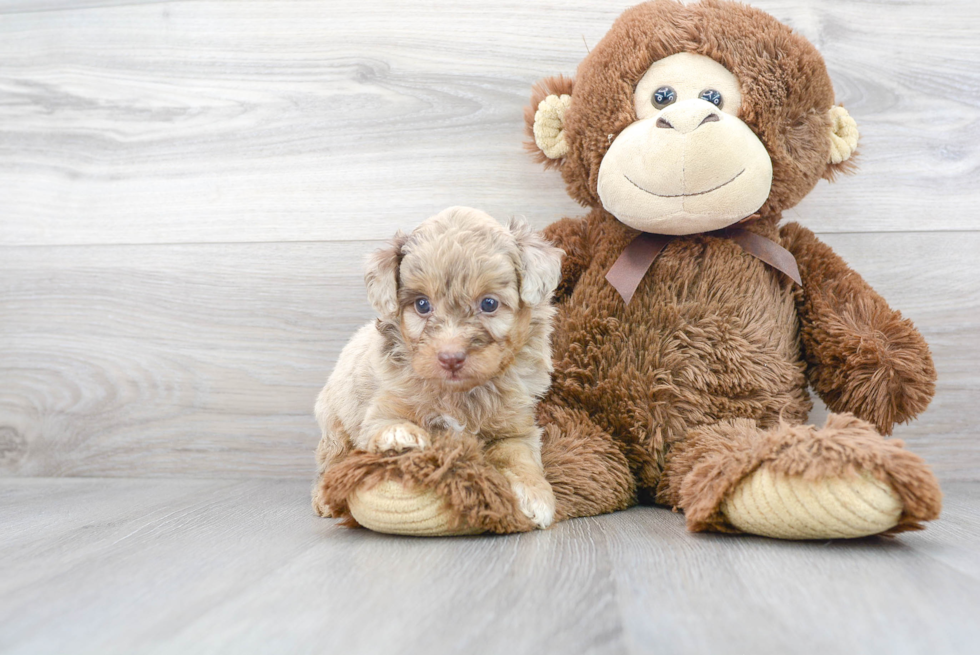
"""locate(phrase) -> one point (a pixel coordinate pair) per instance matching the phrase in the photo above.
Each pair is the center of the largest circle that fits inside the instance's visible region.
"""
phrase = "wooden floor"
(199, 566)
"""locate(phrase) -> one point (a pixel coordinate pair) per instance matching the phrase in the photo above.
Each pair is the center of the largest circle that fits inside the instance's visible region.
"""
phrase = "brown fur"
(862, 356)
(696, 344)
(587, 470)
(702, 378)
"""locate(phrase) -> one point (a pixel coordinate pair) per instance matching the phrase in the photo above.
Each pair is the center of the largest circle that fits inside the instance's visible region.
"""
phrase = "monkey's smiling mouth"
(683, 195)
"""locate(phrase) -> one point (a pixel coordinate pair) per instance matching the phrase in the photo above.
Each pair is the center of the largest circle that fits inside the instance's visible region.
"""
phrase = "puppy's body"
(366, 373)
(438, 361)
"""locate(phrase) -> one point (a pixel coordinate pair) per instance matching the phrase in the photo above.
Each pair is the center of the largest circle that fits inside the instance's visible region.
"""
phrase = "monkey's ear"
(381, 276)
(540, 266)
(843, 142)
(544, 119)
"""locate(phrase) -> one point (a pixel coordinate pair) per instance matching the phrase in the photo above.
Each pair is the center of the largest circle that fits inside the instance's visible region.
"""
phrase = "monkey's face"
(689, 117)
(688, 164)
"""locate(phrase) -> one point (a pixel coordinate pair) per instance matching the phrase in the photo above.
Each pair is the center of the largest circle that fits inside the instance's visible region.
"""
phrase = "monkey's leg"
(447, 488)
(588, 471)
(843, 480)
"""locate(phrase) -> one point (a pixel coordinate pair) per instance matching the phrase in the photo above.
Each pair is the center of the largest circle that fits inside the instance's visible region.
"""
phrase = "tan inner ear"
(843, 135)
(549, 133)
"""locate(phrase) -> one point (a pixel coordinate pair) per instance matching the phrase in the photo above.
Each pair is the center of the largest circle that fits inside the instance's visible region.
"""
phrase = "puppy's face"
(460, 313)
(466, 292)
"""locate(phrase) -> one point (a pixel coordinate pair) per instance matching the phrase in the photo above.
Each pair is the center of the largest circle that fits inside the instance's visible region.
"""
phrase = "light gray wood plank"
(718, 593)
(147, 123)
(176, 566)
(953, 542)
(197, 360)
(205, 360)
(134, 552)
(32, 6)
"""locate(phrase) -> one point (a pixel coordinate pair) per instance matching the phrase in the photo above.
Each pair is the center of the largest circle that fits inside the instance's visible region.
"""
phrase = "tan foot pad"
(391, 508)
(789, 507)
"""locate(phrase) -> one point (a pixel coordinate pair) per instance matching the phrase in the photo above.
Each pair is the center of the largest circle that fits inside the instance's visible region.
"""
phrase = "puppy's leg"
(333, 447)
(395, 435)
(340, 404)
(519, 459)
(335, 443)
(388, 425)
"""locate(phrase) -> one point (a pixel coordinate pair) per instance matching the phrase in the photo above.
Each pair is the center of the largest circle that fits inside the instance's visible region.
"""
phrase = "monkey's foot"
(788, 507)
(391, 508)
(841, 481)
(446, 489)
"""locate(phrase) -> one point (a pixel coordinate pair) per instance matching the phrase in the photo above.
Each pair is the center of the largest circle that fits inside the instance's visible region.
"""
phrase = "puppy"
(462, 345)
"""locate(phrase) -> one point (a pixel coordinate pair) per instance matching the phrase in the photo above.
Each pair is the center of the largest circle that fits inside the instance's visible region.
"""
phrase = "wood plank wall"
(187, 191)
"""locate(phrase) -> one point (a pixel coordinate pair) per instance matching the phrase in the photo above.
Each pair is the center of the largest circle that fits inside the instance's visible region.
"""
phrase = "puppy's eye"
(489, 305)
(423, 306)
(663, 96)
(713, 97)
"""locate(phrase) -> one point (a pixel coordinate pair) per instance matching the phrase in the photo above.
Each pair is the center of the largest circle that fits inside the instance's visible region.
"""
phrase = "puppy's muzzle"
(452, 361)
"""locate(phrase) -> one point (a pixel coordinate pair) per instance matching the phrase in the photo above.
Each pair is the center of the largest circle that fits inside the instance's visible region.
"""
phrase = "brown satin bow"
(636, 259)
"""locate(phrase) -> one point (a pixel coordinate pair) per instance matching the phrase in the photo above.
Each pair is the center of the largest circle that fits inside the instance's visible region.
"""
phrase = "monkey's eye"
(713, 97)
(423, 306)
(489, 305)
(663, 97)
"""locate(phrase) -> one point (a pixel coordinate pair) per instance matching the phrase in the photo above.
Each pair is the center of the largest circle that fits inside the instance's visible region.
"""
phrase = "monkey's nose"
(687, 116)
(452, 361)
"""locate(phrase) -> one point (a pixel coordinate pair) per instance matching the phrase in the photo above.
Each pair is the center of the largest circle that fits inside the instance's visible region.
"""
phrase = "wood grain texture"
(205, 360)
(169, 361)
(251, 152)
(178, 566)
(231, 121)
(187, 189)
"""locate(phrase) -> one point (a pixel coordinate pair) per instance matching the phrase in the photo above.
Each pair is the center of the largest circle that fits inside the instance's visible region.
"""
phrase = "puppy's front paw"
(536, 500)
(399, 437)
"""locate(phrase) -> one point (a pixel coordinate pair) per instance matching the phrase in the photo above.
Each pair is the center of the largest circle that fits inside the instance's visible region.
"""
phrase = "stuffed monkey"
(690, 322)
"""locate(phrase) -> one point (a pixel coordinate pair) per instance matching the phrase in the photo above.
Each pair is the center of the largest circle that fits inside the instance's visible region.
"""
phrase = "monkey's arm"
(569, 235)
(862, 357)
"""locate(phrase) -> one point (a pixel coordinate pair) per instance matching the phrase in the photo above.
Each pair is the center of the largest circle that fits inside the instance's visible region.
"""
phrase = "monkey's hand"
(862, 356)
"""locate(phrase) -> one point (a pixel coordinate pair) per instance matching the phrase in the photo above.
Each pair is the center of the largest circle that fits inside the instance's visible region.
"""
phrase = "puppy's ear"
(381, 276)
(540, 268)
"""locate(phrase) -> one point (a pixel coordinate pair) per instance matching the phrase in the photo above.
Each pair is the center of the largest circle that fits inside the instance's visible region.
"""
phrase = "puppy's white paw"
(399, 437)
(536, 501)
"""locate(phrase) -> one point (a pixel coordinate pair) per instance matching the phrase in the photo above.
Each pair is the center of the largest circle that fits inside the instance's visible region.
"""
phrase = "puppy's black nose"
(452, 361)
